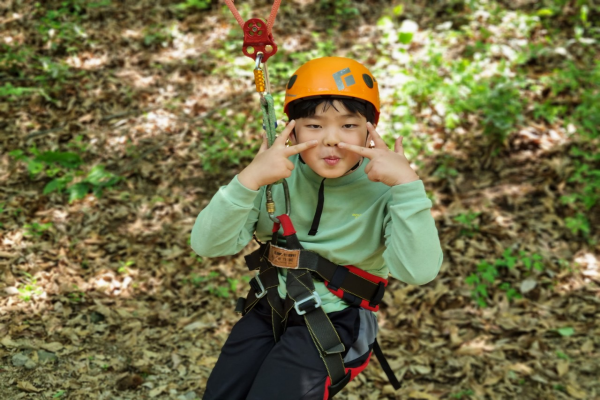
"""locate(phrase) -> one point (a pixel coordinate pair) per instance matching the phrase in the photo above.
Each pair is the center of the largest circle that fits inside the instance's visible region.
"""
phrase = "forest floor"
(101, 297)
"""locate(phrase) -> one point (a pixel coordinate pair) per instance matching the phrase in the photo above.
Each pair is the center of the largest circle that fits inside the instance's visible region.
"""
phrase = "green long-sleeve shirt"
(380, 229)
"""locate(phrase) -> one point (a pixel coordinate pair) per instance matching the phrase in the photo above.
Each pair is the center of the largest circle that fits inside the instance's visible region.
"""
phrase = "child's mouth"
(332, 160)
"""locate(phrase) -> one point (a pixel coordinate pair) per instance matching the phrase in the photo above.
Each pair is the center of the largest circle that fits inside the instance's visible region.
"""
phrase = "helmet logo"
(349, 80)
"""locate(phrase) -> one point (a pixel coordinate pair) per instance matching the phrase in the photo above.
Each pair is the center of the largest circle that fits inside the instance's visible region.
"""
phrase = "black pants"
(253, 367)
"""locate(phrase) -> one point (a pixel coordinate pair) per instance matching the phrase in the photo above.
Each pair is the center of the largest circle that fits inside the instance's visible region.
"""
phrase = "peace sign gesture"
(271, 163)
(385, 166)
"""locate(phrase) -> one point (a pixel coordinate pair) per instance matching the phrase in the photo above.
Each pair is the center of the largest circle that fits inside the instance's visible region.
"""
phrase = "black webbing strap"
(338, 275)
(265, 283)
(301, 289)
(385, 366)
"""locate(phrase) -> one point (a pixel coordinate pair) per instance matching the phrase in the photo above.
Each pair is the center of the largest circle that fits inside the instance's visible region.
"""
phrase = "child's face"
(329, 128)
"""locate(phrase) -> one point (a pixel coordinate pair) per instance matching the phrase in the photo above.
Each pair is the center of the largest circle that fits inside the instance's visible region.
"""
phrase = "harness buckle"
(259, 288)
(314, 296)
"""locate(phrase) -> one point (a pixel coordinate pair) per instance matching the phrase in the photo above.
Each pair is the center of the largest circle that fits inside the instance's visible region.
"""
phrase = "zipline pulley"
(259, 45)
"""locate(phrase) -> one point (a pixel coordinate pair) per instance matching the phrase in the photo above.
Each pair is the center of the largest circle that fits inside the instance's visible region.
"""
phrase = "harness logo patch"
(284, 258)
(356, 215)
(349, 80)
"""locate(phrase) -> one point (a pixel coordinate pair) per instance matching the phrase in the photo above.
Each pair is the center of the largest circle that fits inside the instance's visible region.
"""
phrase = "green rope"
(267, 107)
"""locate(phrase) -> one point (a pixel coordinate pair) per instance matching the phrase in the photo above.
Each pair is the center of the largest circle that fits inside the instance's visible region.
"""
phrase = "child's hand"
(272, 164)
(386, 166)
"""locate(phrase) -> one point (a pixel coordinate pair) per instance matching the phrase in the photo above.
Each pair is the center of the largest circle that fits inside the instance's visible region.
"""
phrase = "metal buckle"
(263, 291)
(314, 296)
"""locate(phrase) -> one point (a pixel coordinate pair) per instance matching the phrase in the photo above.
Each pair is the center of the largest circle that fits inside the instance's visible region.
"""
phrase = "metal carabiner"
(271, 203)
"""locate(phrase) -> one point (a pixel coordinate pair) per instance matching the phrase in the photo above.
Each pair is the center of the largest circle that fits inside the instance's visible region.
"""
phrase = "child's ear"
(292, 137)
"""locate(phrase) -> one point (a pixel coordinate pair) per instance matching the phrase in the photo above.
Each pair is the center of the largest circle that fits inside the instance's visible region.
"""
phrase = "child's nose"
(331, 138)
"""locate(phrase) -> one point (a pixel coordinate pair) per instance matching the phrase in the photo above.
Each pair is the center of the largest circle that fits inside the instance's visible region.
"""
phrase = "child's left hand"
(385, 166)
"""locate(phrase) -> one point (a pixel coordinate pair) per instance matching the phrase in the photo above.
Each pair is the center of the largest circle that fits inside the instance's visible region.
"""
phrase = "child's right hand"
(272, 164)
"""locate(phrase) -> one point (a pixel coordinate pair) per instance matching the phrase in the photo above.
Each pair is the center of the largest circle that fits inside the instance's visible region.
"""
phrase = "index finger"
(377, 139)
(299, 148)
(363, 151)
(285, 134)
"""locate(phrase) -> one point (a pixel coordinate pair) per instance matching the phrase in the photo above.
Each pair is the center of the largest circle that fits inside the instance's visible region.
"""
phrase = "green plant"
(64, 168)
(467, 220)
(59, 394)
(338, 12)
(62, 26)
(35, 229)
(29, 289)
(462, 393)
(197, 4)
(486, 274)
(12, 92)
(157, 35)
(211, 284)
(566, 331)
(231, 146)
(446, 167)
(123, 266)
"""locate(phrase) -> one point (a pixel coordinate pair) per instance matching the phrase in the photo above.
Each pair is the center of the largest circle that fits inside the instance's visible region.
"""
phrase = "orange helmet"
(333, 76)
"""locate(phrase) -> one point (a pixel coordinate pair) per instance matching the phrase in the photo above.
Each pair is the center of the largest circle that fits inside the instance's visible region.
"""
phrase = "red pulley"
(258, 40)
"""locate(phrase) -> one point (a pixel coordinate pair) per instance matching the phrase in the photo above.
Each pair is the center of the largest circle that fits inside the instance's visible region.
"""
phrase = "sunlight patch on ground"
(87, 61)
(590, 265)
(192, 45)
(135, 79)
(113, 284)
(183, 46)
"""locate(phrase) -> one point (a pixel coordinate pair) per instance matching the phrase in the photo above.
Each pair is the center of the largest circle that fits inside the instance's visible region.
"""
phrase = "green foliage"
(76, 296)
(29, 289)
(446, 167)
(124, 266)
(566, 331)
(462, 394)
(61, 27)
(35, 229)
(226, 144)
(194, 4)
(59, 394)
(65, 170)
(12, 92)
(213, 285)
(338, 12)
(467, 220)
(486, 274)
(157, 35)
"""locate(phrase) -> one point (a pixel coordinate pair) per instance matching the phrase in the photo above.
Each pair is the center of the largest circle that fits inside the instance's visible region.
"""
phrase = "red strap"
(353, 374)
(240, 20)
(286, 222)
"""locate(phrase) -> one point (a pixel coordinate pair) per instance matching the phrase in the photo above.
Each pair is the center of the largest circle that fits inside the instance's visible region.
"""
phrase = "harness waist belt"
(347, 282)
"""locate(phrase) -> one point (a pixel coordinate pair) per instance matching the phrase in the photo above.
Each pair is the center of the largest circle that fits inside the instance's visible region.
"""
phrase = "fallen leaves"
(28, 387)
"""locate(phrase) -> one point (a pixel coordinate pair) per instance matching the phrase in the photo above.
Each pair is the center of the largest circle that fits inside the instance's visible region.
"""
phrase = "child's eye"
(350, 126)
(313, 126)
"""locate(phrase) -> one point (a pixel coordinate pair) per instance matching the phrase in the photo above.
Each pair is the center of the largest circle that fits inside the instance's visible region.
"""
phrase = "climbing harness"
(355, 286)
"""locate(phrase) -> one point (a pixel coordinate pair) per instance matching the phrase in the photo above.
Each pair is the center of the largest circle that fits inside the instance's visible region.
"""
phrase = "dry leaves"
(129, 313)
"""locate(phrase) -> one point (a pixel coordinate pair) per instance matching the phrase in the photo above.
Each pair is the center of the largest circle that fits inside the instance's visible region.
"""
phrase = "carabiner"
(271, 203)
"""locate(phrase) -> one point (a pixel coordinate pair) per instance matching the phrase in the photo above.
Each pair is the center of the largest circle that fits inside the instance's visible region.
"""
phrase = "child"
(354, 203)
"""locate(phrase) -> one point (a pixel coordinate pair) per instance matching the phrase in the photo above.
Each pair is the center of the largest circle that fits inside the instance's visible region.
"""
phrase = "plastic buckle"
(314, 296)
(260, 287)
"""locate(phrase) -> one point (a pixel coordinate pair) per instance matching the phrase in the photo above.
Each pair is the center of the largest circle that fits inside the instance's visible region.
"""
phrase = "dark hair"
(307, 107)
